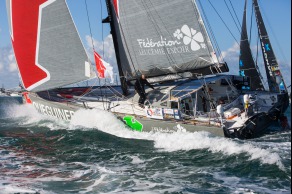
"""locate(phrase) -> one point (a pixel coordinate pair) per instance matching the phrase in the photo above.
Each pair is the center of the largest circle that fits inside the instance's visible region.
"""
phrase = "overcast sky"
(276, 14)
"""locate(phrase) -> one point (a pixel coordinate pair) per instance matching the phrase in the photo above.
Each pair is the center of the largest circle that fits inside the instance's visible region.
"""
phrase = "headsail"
(247, 65)
(158, 37)
(47, 47)
(274, 75)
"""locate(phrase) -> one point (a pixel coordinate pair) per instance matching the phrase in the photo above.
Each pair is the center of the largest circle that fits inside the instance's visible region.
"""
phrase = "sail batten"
(157, 37)
(247, 65)
(47, 47)
(274, 75)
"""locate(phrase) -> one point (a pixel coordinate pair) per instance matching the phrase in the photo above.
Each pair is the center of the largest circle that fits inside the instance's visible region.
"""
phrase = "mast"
(247, 65)
(109, 20)
(274, 75)
(152, 40)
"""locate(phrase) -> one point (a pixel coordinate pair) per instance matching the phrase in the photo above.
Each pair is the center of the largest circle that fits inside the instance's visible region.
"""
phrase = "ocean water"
(95, 153)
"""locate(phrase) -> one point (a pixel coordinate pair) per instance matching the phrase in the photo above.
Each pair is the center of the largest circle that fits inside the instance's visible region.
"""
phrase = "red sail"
(25, 25)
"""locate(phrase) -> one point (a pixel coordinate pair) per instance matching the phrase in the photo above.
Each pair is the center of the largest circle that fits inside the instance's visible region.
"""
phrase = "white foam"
(27, 115)
(95, 184)
(108, 123)
(14, 189)
(239, 185)
(96, 119)
(136, 160)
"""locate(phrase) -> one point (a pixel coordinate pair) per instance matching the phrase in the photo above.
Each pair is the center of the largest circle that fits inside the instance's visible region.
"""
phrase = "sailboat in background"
(174, 53)
(247, 66)
(275, 100)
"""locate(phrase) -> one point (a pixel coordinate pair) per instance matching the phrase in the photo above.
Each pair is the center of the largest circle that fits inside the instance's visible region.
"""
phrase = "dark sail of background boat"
(271, 64)
(247, 65)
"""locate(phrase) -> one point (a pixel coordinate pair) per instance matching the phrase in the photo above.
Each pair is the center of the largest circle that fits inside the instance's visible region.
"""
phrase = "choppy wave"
(96, 153)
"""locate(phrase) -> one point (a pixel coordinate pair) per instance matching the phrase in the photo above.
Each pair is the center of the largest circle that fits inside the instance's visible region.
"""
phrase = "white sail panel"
(47, 47)
(158, 37)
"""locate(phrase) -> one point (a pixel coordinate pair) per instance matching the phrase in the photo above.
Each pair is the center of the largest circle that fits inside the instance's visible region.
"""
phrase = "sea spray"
(108, 123)
(97, 153)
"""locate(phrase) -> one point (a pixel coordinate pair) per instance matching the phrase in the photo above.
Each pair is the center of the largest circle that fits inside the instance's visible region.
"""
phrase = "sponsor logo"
(149, 112)
(168, 111)
(241, 63)
(133, 123)
(271, 68)
(54, 112)
(242, 73)
(187, 40)
(154, 113)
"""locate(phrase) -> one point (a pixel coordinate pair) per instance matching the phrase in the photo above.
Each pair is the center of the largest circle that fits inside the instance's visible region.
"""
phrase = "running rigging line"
(274, 36)
(211, 32)
(223, 22)
(232, 16)
(101, 28)
(89, 25)
(251, 23)
(234, 13)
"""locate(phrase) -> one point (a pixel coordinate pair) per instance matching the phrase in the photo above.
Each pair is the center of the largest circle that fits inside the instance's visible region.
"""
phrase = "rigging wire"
(223, 22)
(101, 13)
(127, 47)
(89, 25)
(254, 59)
(211, 32)
(258, 39)
(274, 36)
(232, 16)
(171, 59)
(91, 36)
(203, 29)
(256, 63)
(235, 13)
(251, 24)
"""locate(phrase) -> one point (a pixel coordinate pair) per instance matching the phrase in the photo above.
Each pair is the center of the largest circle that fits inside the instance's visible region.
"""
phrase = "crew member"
(140, 89)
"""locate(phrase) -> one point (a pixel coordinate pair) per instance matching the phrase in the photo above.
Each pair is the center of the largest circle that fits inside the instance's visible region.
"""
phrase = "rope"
(91, 36)
(203, 30)
(251, 24)
(235, 13)
(274, 36)
(101, 13)
(232, 16)
(89, 25)
(212, 33)
(223, 22)
(170, 58)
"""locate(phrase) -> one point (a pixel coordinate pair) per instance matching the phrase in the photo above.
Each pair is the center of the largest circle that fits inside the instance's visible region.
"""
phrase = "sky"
(276, 14)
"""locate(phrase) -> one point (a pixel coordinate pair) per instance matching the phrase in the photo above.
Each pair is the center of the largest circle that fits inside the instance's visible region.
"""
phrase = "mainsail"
(47, 47)
(158, 37)
(274, 75)
(247, 65)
